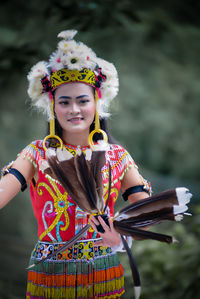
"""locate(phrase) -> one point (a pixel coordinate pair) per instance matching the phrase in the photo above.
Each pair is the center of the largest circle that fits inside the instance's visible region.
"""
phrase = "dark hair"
(103, 126)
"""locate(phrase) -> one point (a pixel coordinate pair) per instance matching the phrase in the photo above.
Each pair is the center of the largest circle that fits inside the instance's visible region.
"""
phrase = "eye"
(84, 101)
(63, 103)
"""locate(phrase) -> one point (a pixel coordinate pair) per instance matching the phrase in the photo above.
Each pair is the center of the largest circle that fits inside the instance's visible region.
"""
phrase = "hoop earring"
(97, 128)
(52, 127)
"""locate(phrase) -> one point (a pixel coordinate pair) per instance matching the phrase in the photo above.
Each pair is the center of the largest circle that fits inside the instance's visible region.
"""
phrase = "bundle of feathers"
(81, 177)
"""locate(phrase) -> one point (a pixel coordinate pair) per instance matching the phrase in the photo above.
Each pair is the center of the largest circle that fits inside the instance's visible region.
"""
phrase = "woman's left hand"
(110, 237)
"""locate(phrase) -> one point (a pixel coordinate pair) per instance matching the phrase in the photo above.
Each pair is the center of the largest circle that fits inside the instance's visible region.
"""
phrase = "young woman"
(74, 89)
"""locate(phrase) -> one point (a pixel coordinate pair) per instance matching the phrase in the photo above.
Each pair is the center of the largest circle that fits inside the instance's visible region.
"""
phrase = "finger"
(111, 224)
(98, 243)
(104, 225)
(93, 225)
(95, 221)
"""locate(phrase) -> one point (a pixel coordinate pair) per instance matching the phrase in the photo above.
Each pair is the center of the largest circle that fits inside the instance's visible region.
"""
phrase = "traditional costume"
(82, 270)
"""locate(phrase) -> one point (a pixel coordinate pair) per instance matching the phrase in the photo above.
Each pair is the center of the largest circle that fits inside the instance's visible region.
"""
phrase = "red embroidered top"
(58, 217)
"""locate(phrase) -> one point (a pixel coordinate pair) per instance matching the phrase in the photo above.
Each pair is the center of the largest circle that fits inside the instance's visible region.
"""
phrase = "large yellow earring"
(97, 126)
(52, 128)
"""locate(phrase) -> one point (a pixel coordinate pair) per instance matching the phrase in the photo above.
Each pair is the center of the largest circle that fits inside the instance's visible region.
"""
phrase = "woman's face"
(75, 107)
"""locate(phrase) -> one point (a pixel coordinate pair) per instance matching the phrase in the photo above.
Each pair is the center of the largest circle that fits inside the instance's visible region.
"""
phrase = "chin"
(76, 130)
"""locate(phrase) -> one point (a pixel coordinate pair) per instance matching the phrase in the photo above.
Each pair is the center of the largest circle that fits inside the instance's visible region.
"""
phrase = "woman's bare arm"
(9, 184)
(133, 178)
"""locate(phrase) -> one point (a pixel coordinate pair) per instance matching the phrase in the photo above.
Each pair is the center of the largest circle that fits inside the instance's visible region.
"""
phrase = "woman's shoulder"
(38, 143)
(116, 146)
(118, 153)
(35, 145)
(118, 149)
(34, 150)
(119, 159)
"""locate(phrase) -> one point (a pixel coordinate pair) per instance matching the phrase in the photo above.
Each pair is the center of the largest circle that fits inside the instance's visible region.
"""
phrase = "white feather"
(183, 195)
(88, 154)
(50, 152)
(63, 154)
(188, 214)
(174, 240)
(101, 146)
(79, 151)
(43, 165)
(179, 209)
(120, 217)
(178, 217)
(67, 34)
(137, 292)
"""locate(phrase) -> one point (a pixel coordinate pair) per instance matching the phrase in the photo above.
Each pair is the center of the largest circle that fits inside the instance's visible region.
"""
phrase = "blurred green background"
(155, 46)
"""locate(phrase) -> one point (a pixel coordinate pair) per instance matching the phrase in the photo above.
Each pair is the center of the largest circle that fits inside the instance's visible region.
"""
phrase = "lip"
(75, 119)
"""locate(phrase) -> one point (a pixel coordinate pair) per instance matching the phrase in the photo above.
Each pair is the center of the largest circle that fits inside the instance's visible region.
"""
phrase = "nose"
(75, 109)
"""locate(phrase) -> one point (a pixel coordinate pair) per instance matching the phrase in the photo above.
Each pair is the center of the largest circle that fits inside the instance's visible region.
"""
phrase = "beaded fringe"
(98, 278)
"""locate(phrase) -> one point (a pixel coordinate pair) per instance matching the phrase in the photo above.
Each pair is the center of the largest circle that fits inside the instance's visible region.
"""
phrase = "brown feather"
(157, 202)
(50, 172)
(86, 179)
(132, 263)
(141, 234)
(76, 177)
(97, 162)
(153, 217)
(109, 186)
(65, 173)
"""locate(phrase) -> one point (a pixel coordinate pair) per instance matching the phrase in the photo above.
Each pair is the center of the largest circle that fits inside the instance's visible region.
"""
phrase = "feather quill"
(140, 234)
(109, 186)
(134, 269)
(66, 245)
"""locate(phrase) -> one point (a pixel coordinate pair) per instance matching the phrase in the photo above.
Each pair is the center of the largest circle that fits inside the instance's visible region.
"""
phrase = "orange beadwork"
(86, 278)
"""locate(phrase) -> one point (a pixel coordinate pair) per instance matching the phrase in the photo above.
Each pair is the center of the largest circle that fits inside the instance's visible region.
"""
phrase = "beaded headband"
(65, 76)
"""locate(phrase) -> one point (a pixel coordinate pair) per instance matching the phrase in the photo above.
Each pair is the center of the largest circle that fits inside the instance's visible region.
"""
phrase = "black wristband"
(132, 190)
(19, 176)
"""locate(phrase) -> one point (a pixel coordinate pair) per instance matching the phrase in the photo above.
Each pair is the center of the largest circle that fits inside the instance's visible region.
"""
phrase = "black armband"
(18, 175)
(134, 189)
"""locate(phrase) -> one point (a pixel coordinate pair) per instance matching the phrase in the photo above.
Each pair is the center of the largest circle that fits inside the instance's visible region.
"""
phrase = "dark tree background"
(155, 46)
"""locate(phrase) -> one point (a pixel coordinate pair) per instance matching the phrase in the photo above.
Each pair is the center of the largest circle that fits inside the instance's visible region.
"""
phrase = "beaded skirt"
(82, 271)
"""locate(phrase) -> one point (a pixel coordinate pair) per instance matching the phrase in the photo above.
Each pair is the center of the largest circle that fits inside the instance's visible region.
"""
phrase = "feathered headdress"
(71, 60)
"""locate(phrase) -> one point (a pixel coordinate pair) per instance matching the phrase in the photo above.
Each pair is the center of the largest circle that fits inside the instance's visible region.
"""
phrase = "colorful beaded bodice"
(58, 217)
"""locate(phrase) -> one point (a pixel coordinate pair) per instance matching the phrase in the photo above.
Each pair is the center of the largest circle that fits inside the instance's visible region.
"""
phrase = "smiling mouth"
(75, 119)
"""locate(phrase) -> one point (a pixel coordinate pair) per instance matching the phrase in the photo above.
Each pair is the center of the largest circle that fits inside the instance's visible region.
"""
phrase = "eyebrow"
(68, 98)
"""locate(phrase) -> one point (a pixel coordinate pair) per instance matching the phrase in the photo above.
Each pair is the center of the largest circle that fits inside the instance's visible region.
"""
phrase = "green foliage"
(159, 100)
